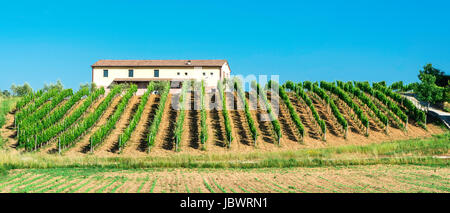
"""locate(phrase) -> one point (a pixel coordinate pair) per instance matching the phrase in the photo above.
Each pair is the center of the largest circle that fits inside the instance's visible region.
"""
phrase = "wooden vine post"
(92, 148)
(176, 144)
(346, 132)
(386, 127)
(120, 143)
(367, 130)
(406, 124)
(149, 147)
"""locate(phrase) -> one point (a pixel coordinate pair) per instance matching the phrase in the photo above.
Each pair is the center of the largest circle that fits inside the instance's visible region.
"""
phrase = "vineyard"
(195, 120)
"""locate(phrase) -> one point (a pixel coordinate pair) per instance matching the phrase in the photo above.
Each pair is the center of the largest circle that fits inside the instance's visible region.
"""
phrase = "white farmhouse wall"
(226, 72)
(211, 74)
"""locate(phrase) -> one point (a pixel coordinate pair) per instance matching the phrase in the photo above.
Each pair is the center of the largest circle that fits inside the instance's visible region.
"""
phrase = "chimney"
(188, 62)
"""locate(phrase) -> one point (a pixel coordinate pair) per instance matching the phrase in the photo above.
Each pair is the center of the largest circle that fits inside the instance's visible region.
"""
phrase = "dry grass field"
(351, 179)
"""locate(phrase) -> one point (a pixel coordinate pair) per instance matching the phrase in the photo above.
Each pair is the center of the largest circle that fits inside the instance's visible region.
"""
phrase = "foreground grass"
(414, 151)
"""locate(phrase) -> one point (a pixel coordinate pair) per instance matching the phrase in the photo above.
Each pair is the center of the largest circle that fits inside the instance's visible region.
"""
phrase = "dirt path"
(290, 137)
(413, 129)
(356, 135)
(164, 143)
(266, 140)
(444, 116)
(334, 129)
(82, 146)
(8, 131)
(216, 126)
(111, 144)
(386, 111)
(311, 128)
(374, 122)
(78, 105)
(243, 136)
(354, 125)
(50, 147)
(190, 139)
(137, 145)
(232, 105)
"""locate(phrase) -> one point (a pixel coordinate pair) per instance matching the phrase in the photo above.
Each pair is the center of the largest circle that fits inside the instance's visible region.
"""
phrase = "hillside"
(242, 142)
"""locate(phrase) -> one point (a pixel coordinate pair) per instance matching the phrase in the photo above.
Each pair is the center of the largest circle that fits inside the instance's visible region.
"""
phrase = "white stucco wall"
(164, 72)
(226, 71)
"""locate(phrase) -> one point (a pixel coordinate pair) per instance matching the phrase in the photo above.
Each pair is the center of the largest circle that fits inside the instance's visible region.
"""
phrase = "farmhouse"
(141, 72)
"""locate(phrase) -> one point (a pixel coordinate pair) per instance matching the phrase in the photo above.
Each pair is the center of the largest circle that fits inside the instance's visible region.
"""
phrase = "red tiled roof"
(150, 79)
(159, 63)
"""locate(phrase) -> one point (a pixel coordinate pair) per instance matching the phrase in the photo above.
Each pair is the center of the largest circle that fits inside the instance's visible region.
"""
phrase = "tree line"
(26, 89)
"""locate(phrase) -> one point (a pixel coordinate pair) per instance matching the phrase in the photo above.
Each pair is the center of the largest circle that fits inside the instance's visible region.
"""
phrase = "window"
(178, 73)
(204, 73)
(130, 73)
(185, 73)
(156, 73)
(212, 73)
(105, 73)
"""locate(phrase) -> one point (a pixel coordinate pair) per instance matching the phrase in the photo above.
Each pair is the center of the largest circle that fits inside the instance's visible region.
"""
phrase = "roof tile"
(159, 63)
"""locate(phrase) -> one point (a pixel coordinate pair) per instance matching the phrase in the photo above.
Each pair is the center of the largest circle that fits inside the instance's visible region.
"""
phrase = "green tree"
(91, 86)
(20, 91)
(58, 85)
(427, 90)
(411, 87)
(6, 93)
(438, 74)
(447, 92)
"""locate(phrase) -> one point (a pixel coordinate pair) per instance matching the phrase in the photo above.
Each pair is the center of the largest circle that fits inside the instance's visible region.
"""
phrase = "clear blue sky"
(42, 41)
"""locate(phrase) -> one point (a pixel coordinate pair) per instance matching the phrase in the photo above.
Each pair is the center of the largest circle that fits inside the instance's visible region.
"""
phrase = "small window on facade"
(178, 73)
(185, 73)
(105, 73)
(204, 73)
(156, 74)
(130, 73)
(212, 73)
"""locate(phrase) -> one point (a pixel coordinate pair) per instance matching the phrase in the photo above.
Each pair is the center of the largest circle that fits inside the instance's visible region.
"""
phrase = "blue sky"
(43, 41)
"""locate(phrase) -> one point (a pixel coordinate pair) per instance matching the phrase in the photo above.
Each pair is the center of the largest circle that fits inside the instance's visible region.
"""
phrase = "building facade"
(141, 72)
